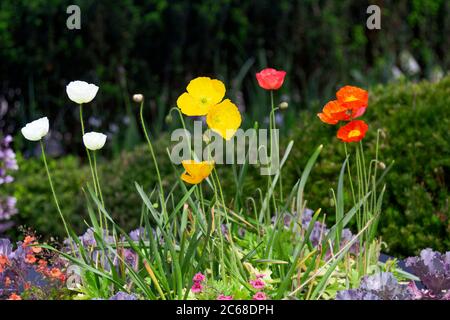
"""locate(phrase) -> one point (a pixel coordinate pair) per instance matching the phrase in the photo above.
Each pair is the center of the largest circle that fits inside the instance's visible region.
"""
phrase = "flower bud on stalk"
(283, 105)
(138, 98)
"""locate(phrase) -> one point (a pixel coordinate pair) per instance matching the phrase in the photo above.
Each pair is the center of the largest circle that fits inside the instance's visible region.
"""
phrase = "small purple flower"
(7, 163)
(123, 296)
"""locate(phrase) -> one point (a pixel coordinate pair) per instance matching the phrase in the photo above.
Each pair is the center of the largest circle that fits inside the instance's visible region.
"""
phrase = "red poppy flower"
(353, 131)
(270, 79)
(353, 98)
(333, 112)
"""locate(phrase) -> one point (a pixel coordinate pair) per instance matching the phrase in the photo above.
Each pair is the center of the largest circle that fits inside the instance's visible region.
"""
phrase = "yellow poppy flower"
(202, 93)
(224, 118)
(196, 172)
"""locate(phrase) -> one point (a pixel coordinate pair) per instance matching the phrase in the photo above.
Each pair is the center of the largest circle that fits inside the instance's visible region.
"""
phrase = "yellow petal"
(205, 168)
(188, 164)
(191, 107)
(219, 89)
(224, 119)
(206, 90)
(190, 179)
(196, 172)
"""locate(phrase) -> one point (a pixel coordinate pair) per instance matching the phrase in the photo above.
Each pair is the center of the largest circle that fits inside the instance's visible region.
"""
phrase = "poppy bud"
(138, 98)
(284, 105)
(381, 165)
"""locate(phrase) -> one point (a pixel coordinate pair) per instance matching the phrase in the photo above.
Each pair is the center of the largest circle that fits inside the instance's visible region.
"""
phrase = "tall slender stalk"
(87, 151)
(53, 189)
(150, 146)
(97, 180)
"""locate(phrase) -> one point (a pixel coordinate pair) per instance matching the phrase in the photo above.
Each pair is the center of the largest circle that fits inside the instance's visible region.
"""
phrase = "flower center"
(351, 98)
(203, 100)
(354, 133)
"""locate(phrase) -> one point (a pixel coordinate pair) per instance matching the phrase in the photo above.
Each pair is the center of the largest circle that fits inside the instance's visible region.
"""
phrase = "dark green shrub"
(415, 119)
(34, 198)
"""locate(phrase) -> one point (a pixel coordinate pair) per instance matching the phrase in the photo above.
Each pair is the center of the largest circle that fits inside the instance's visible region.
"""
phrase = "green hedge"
(415, 122)
(415, 119)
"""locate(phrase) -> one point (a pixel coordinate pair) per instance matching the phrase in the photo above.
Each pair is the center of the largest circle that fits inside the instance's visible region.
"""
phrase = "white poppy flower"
(94, 140)
(81, 91)
(36, 130)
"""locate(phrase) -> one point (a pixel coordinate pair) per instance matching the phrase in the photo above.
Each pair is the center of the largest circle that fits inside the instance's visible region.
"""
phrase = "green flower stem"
(53, 189)
(351, 180)
(99, 189)
(273, 126)
(150, 146)
(94, 181)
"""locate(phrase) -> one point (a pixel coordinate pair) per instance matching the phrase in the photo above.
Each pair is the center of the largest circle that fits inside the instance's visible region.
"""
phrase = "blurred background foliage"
(156, 46)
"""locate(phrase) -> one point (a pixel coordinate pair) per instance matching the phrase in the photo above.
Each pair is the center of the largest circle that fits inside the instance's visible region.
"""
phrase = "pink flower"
(223, 297)
(270, 79)
(258, 284)
(199, 277)
(260, 296)
(196, 287)
(260, 276)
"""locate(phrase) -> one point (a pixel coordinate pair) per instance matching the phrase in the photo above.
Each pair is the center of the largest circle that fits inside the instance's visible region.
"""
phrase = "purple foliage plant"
(8, 163)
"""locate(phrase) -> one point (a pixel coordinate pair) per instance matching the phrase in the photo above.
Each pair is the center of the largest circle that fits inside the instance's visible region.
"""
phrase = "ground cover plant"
(194, 241)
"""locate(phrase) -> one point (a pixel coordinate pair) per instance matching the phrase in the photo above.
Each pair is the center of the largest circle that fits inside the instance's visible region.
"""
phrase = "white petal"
(94, 140)
(36, 130)
(81, 91)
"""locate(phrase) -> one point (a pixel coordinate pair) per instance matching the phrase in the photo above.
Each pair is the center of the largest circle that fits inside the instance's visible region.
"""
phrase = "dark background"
(157, 46)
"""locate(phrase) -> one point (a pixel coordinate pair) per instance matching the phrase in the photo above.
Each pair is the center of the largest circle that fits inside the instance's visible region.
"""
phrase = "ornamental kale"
(381, 286)
(433, 269)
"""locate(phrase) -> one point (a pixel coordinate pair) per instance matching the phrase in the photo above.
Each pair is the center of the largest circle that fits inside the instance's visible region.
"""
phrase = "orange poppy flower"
(29, 258)
(353, 97)
(28, 240)
(196, 172)
(3, 260)
(333, 112)
(55, 273)
(353, 131)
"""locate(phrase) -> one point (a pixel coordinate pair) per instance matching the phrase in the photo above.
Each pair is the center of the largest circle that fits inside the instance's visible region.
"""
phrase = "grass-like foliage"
(193, 242)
